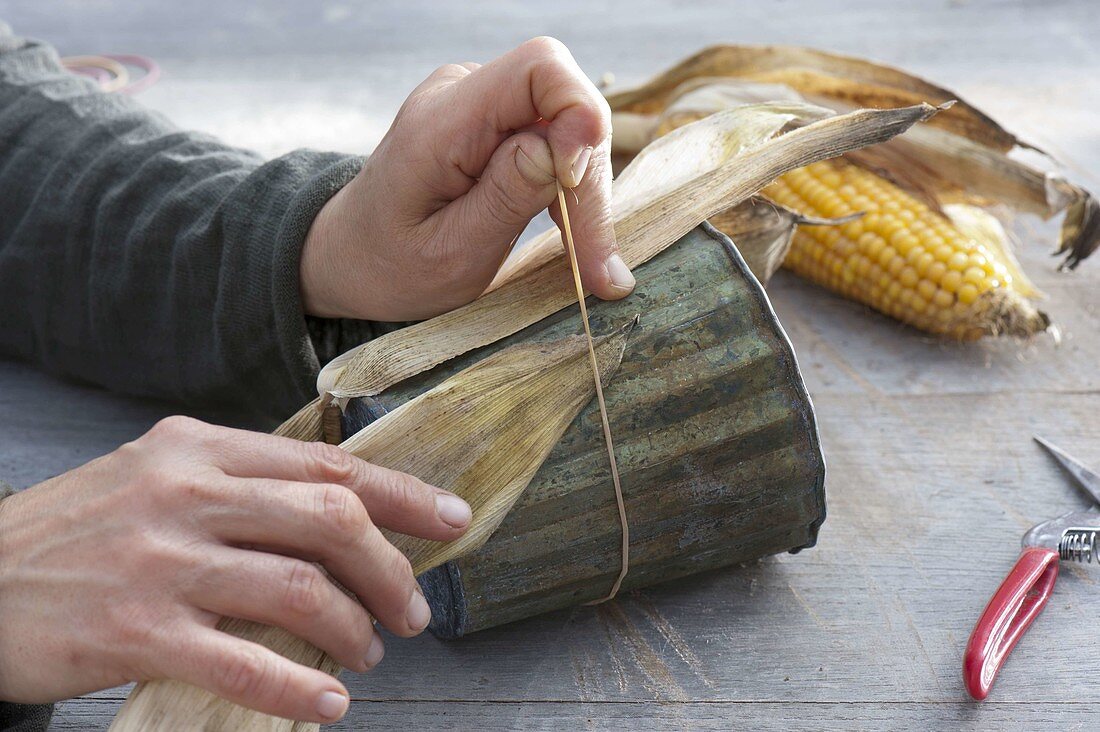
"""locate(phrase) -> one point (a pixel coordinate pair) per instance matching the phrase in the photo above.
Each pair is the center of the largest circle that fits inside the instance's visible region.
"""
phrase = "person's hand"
(119, 570)
(474, 153)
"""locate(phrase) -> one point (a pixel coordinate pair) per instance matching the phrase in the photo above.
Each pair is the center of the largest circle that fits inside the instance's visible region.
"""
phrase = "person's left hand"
(474, 153)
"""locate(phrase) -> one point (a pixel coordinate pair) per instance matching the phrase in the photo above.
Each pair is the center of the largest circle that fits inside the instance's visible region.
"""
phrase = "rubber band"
(101, 76)
(620, 502)
(111, 73)
(149, 66)
(120, 77)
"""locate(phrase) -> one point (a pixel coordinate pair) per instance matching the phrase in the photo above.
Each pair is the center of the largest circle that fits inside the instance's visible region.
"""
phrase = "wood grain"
(461, 716)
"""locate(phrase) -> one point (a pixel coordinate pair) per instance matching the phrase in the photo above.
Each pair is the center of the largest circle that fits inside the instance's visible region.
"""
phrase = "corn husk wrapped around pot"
(960, 167)
(679, 181)
(484, 432)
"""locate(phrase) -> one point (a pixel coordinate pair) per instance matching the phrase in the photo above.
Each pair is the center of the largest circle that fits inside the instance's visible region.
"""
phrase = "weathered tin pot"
(715, 438)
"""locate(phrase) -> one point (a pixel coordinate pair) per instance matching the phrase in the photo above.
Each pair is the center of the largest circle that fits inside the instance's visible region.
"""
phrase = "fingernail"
(580, 165)
(332, 705)
(419, 614)
(375, 652)
(453, 510)
(531, 169)
(619, 273)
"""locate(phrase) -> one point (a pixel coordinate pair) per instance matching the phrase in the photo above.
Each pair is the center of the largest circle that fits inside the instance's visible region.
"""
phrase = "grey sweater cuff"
(308, 342)
(25, 717)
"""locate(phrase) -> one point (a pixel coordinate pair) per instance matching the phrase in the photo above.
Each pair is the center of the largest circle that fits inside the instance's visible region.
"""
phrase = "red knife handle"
(1013, 608)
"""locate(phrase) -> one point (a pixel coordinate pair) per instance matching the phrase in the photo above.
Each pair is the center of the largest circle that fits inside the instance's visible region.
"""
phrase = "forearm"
(150, 260)
(22, 717)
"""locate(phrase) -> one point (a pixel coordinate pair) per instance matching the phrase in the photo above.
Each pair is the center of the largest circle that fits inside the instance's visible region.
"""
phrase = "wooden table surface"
(932, 473)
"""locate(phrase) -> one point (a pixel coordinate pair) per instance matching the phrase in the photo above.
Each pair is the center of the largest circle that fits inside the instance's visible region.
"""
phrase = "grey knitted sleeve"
(151, 260)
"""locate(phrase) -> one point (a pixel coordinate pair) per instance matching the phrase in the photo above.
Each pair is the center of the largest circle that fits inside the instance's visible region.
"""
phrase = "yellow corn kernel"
(926, 289)
(951, 280)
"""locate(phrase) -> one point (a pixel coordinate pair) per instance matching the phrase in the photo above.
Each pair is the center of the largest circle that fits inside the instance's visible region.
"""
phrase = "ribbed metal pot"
(715, 438)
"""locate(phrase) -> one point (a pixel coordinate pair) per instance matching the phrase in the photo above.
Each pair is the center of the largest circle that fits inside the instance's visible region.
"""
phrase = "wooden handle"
(1012, 610)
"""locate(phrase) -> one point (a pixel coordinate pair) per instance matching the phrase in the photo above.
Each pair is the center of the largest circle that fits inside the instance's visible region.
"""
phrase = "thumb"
(517, 184)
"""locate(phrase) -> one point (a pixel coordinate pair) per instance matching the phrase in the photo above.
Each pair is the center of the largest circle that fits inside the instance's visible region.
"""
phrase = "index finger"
(394, 499)
(538, 80)
(603, 271)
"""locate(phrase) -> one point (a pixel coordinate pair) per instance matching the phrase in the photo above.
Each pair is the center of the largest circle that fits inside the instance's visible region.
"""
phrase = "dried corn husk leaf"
(693, 150)
(812, 73)
(669, 161)
(1080, 232)
(709, 95)
(483, 434)
(633, 132)
(957, 169)
(762, 231)
(672, 159)
(961, 156)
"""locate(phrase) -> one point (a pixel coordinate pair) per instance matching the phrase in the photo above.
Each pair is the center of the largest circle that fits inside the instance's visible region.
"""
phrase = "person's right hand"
(473, 155)
(120, 570)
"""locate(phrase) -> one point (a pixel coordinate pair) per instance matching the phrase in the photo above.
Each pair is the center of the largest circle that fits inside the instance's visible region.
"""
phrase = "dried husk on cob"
(484, 432)
(957, 171)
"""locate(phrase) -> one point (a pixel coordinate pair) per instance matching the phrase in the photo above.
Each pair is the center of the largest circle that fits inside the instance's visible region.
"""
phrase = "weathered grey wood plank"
(50, 426)
(845, 347)
(877, 613)
(460, 716)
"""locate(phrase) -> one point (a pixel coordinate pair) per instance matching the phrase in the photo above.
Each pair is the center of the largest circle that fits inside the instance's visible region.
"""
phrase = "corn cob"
(901, 257)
